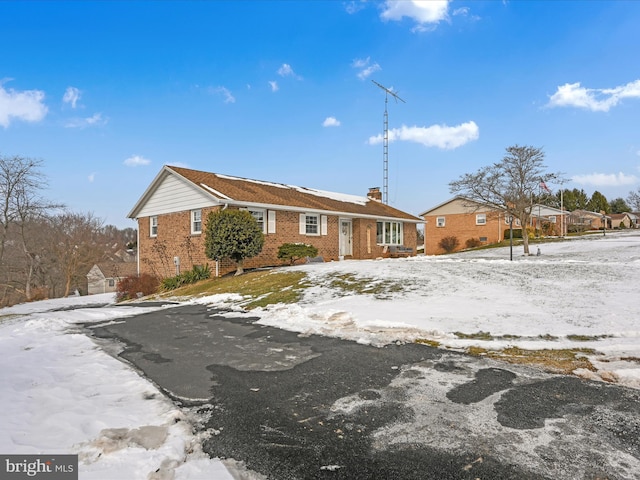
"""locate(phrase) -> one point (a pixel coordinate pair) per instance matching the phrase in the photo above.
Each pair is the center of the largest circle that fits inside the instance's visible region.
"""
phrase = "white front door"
(346, 237)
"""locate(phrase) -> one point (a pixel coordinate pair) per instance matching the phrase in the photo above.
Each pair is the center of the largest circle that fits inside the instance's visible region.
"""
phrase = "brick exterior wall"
(463, 227)
(175, 239)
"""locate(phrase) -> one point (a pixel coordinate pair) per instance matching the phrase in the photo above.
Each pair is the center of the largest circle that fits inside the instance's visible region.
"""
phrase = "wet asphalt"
(290, 406)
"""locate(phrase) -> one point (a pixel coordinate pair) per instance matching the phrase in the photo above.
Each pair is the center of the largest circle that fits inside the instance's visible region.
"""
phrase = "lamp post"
(511, 237)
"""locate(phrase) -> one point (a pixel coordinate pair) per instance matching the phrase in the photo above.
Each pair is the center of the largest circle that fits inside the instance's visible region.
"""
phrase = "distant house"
(581, 220)
(623, 220)
(104, 277)
(549, 221)
(172, 213)
(467, 220)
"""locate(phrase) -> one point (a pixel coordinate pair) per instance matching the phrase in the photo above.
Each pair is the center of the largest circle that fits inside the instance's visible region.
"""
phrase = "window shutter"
(303, 224)
(323, 225)
(271, 223)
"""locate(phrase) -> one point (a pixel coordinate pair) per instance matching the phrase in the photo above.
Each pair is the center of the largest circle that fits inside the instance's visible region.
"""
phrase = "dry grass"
(556, 361)
(258, 288)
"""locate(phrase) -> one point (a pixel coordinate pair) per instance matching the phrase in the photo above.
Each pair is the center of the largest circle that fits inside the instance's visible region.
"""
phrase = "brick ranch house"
(466, 220)
(172, 213)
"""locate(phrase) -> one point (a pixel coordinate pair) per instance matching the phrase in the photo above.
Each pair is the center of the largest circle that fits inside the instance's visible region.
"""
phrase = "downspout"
(138, 247)
(217, 262)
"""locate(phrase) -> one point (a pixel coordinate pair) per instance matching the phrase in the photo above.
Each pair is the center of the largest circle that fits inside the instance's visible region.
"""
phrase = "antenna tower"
(385, 143)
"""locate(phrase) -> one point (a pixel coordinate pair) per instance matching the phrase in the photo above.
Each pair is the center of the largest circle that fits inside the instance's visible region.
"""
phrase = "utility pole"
(385, 143)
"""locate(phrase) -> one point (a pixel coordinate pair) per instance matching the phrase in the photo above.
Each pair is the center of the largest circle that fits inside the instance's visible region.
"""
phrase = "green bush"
(296, 251)
(136, 286)
(194, 275)
(449, 244)
(517, 233)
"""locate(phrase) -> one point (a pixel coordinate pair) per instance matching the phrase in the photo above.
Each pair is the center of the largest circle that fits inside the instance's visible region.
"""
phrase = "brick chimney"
(375, 194)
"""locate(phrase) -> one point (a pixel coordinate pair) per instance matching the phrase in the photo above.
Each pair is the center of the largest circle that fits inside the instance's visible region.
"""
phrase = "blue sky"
(105, 93)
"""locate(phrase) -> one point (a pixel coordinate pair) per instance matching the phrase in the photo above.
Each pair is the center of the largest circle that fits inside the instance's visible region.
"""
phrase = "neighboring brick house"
(172, 213)
(549, 221)
(466, 220)
(104, 277)
(580, 220)
(623, 220)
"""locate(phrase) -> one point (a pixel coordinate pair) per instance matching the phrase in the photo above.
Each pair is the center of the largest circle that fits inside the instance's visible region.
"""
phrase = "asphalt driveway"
(304, 407)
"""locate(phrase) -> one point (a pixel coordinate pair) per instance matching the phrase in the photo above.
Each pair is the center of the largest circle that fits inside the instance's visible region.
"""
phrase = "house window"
(312, 224)
(112, 282)
(153, 226)
(552, 219)
(439, 221)
(259, 216)
(481, 219)
(389, 233)
(516, 221)
(483, 239)
(196, 221)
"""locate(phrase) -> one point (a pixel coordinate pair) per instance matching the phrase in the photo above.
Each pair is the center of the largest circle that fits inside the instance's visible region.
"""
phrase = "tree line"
(575, 199)
(46, 250)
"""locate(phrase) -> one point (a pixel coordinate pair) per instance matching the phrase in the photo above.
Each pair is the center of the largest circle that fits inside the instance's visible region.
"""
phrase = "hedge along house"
(172, 213)
(467, 221)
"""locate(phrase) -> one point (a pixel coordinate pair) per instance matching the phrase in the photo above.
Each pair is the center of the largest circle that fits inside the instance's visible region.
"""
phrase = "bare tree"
(633, 200)
(21, 204)
(77, 244)
(510, 185)
(21, 182)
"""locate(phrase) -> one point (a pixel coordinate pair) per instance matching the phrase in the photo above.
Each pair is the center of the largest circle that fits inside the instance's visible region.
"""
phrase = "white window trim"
(193, 222)
(264, 217)
(153, 222)
(400, 232)
(481, 218)
(438, 222)
(303, 224)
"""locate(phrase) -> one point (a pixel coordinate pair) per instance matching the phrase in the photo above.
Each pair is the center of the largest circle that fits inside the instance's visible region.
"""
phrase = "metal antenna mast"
(385, 144)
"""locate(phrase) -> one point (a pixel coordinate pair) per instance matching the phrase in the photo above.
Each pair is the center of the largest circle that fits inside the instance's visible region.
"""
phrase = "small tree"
(512, 184)
(633, 200)
(233, 234)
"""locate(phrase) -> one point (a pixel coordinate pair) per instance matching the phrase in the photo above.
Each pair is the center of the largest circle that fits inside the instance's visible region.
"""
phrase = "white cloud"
(426, 13)
(91, 177)
(26, 105)
(71, 96)
(228, 97)
(355, 6)
(440, 136)
(365, 67)
(136, 161)
(605, 179)
(596, 100)
(274, 86)
(93, 121)
(286, 71)
(331, 122)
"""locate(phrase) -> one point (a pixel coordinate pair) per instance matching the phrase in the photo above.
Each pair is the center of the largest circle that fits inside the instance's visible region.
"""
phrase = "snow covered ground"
(60, 393)
(580, 293)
